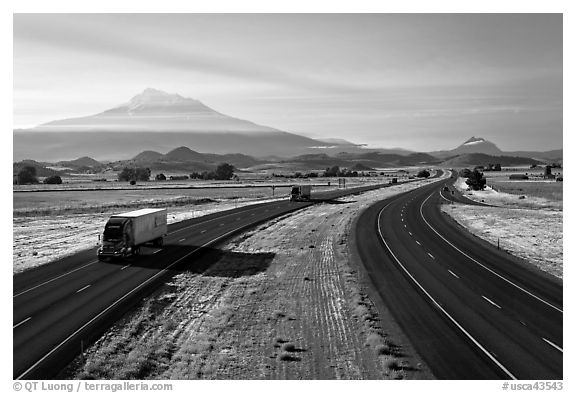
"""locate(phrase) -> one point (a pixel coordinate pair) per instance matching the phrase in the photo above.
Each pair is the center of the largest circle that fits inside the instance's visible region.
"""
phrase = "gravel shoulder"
(283, 302)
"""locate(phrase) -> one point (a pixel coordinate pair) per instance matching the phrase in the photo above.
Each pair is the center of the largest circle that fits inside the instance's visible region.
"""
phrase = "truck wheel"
(136, 250)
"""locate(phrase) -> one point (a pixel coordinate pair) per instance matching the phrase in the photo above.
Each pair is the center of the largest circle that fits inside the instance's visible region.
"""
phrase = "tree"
(160, 176)
(137, 173)
(465, 173)
(423, 173)
(332, 172)
(224, 171)
(53, 180)
(476, 181)
(27, 175)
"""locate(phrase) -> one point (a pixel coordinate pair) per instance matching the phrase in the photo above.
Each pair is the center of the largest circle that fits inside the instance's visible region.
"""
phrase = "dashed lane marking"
(438, 305)
(124, 267)
(81, 289)
(452, 273)
(204, 231)
(491, 302)
(55, 278)
(553, 345)
(21, 323)
(482, 265)
(431, 256)
(417, 242)
(181, 240)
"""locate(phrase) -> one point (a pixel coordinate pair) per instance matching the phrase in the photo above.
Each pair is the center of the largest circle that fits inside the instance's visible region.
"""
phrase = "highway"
(61, 307)
(471, 311)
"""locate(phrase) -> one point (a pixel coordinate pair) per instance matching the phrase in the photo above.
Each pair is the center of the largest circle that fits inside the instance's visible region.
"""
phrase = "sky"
(422, 82)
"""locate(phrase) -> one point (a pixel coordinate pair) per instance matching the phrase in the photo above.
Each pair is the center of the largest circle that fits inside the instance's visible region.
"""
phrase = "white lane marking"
(204, 231)
(480, 264)
(410, 233)
(491, 302)
(81, 289)
(448, 200)
(181, 240)
(157, 251)
(470, 337)
(554, 345)
(452, 273)
(55, 278)
(222, 224)
(21, 323)
(124, 267)
(405, 226)
(417, 242)
(256, 206)
(431, 256)
(523, 323)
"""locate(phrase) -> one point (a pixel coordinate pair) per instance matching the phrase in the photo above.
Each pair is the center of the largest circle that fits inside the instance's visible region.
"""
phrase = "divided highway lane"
(59, 307)
(471, 310)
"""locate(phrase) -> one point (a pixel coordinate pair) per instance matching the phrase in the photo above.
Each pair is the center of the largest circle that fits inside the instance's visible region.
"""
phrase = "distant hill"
(368, 160)
(361, 167)
(183, 153)
(185, 159)
(475, 159)
(80, 162)
(41, 170)
(148, 155)
(483, 146)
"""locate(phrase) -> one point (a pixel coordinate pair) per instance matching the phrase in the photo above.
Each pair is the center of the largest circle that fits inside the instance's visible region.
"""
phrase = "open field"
(283, 302)
(530, 228)
(50, 225)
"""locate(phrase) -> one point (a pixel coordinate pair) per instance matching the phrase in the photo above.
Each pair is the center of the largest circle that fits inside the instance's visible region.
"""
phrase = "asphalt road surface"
(59, 308)
(472, 311)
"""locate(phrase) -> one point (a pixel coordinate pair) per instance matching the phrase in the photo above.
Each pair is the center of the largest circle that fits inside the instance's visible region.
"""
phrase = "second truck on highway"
(124, 233)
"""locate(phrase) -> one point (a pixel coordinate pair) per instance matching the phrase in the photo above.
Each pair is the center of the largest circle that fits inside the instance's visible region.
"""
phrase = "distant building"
(518, 177)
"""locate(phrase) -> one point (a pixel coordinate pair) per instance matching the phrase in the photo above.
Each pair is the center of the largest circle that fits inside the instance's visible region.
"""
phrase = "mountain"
(475, 159)
(157, 120)
(80, 162)
(483, 146)
(368, 160)
(41, 169)
(183, 153)
(148, 155)
(472, 145)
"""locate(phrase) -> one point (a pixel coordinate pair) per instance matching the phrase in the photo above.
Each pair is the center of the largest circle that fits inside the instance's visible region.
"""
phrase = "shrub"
(423, 173)
(160, 176)
(289, 347)
(53, 180)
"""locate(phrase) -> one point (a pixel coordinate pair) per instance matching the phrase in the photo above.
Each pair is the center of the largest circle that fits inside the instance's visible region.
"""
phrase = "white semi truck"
(124, 233)
(301, 193)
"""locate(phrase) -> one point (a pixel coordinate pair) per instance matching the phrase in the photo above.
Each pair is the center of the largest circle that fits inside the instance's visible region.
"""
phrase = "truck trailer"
(124, 233)
(300, 193)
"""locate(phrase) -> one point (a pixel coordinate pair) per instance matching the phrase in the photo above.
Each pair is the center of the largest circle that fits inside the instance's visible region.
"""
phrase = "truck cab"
(116, 238)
